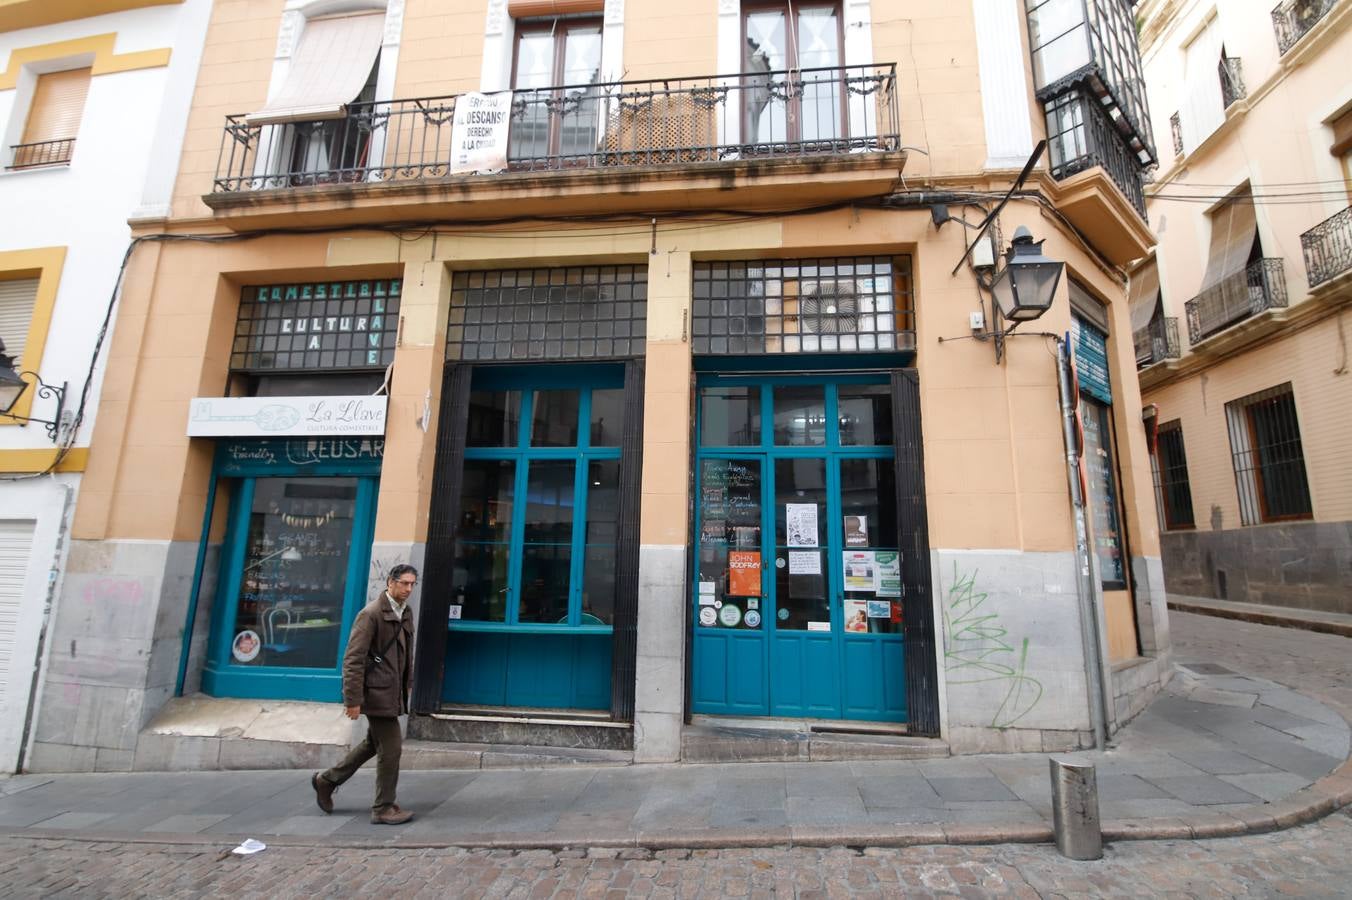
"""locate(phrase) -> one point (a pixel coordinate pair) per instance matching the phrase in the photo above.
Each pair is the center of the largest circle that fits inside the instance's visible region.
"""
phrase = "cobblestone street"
(1310, 861)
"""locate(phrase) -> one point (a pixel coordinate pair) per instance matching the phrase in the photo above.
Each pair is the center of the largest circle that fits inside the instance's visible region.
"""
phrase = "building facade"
(647, 333)
(94, 98)
(1240, 313)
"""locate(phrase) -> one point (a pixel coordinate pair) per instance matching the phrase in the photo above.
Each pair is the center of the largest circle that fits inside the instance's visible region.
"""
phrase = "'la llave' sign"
(286, 416)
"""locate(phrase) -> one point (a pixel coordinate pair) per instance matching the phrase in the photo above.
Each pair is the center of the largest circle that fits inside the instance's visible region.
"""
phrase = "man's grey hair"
(400, 571)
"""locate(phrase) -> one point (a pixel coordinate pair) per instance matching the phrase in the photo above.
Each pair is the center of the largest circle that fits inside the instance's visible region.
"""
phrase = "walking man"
(376, 674)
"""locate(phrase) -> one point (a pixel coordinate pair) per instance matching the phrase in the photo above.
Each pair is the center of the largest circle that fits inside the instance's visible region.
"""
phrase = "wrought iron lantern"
(1024, 289)
(12, 387)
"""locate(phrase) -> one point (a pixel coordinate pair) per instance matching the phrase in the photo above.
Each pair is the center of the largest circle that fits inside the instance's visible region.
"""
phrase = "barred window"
(345, 325)
(1172, 491)
(578, 312)
(858, 304)
(1268, 458)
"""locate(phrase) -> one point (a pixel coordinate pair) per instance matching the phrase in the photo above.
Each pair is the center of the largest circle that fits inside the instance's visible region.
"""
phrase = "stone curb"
(1327, 795)
(1259, 617)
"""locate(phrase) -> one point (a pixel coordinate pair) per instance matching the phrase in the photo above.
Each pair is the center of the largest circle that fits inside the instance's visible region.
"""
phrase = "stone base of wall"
(1133, 684)
(1303, 565)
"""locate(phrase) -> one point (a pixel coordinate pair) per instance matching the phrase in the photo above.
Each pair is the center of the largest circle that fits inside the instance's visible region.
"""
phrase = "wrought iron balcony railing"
(1176, 129)
(1232, 80)
(1081, 136)
(42, 153)
(670, 122)
(1293, 18)
(1157, 341)
(1328, 248)
(1245, 294)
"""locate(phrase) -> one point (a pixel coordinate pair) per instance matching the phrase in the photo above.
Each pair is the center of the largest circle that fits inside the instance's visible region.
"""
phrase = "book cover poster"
(887, 572)
(744, 573)
(856, 531)
(858, 565)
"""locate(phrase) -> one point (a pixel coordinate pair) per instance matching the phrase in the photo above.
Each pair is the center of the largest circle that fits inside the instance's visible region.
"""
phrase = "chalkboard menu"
(730, 502)
(1098, 461)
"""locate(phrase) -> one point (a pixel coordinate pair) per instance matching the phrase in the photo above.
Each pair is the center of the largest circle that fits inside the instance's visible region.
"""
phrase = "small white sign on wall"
(286, 416)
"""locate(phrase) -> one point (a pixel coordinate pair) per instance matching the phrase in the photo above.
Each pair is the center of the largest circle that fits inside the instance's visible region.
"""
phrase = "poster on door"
(859, 570)
(801, 523)
(887, 573)
(856, 531)
(744, 573)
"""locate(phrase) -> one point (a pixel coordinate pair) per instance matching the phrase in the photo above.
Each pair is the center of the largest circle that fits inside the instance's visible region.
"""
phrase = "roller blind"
(1143, 295)
(328, 70)
(1204, 107)
(17, 298)
(1233, 229)
(530, 9)
(58, 103)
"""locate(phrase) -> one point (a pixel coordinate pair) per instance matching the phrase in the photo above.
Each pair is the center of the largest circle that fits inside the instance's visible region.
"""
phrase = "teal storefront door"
(797, 598)
(293, 565)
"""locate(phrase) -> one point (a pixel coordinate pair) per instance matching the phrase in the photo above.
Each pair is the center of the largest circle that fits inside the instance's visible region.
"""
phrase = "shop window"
(845, 305)
(1091, 368)
(538, 531)
(339, 325)
(579, 312)
(1268, 458)
(53, 120)
(1172, 491)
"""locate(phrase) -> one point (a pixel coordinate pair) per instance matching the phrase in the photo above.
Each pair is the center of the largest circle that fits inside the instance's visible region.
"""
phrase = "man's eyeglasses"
(407, 584)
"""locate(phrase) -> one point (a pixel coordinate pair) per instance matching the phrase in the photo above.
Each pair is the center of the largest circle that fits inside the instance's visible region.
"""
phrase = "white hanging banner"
(286, 416)
(479, 132)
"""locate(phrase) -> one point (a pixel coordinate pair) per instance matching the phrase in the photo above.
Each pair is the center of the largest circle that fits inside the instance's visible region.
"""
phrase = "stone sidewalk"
(1217, 754)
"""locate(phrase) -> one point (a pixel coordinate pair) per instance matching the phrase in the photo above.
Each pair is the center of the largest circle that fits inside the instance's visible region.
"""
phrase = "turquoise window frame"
(220, 677)
(767, 450)
(585, 379)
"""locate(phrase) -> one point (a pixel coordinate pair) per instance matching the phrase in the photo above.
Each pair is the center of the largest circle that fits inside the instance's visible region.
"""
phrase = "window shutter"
(58, 102)
(16, 311)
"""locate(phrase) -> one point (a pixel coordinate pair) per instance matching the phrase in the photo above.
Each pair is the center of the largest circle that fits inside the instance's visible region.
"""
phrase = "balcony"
(1232, 81)
(1245, 294)
(1328, 248)
(672, 123)
(1080, 137)
(1157, 341)
(42, 153)
(1292, 19)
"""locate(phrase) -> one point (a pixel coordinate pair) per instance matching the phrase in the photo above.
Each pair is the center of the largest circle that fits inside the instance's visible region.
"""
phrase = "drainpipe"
(1084, 578)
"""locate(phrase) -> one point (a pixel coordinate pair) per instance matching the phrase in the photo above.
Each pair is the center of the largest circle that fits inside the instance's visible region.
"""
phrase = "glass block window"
(320, 326)
(579, 312)
(857, 304)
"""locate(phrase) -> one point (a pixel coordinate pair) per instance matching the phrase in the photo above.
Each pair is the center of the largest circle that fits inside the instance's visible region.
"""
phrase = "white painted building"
(92, 116)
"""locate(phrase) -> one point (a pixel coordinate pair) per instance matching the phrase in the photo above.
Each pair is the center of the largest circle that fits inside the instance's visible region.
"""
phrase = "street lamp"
(1024, 289)
(12, 386)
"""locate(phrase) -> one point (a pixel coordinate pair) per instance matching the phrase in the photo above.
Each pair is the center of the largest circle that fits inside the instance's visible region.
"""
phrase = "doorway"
(797, 584)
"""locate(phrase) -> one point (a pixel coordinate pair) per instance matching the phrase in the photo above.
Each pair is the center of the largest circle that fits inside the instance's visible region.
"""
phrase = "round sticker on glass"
(246, 646)
(730, 615)
(707, 616)
(752, 619)
(783, 614)
(779, 563)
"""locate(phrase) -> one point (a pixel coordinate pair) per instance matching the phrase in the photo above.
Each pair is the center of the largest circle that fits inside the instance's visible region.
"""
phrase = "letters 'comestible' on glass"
(319, 326)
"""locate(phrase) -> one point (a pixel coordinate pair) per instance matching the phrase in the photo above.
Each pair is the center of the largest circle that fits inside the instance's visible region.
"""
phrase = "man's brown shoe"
(390, 815)
(323, 791)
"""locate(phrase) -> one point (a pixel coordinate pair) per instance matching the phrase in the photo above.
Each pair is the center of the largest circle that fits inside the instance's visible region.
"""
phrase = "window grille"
(317, 326)
(1268, 458)
(579, 312)
(858, 304)
(1172, 490)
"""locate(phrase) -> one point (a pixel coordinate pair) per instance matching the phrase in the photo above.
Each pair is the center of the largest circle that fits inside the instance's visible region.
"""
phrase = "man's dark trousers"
(384, 742)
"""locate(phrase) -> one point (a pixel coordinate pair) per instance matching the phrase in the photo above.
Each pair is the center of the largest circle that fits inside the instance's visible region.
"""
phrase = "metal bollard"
(1075, 810)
